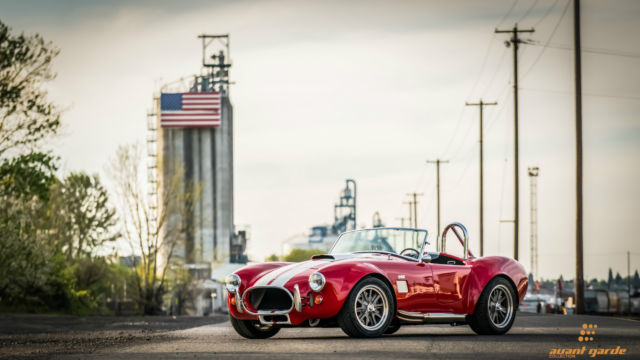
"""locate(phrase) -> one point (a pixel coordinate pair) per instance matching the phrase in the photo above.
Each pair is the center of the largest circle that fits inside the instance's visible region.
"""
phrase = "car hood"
(282, 275)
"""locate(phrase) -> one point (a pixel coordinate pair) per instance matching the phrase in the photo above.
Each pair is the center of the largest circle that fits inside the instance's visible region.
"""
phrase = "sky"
(371, 90)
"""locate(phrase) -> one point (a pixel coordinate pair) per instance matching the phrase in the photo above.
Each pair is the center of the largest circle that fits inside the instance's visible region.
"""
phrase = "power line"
(501, 98)
(508, 12)
(555, 28)
(495, 73)
(529, 10)
(546, 14)
(482, 67)
(484, 64)
(616, 96)
(591, 50)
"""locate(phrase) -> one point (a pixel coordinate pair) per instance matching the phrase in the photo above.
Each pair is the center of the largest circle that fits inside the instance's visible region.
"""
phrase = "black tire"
(252, 329)
(393, 327)
(489, 319)
(371, 294)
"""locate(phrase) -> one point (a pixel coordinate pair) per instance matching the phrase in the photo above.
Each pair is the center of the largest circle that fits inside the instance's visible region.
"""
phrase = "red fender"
(485, 269)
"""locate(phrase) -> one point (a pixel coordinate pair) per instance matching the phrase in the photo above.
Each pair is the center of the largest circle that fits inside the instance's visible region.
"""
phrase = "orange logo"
(587, 335)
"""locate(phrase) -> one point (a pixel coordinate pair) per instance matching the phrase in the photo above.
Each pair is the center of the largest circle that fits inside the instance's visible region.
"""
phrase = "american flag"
(192, 109)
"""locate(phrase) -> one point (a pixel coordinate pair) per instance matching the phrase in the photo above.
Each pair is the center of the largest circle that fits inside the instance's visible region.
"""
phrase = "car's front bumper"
(305, 305)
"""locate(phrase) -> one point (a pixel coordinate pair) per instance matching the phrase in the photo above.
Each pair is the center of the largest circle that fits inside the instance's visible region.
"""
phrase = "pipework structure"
(344, 212)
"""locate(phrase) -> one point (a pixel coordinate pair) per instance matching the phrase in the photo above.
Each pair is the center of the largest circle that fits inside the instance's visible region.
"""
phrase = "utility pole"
(438, 162)
(404, 233)
(629, 279)
(410, 212)
(578, 75)
(481, 106)
(515, 41)
(533, 177)
(415, 208)
(410, 203)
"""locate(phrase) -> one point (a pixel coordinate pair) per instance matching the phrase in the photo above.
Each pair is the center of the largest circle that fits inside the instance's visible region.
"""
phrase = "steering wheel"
(415, 254)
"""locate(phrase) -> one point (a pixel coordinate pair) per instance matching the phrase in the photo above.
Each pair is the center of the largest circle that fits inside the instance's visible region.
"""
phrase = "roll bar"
(464, 238)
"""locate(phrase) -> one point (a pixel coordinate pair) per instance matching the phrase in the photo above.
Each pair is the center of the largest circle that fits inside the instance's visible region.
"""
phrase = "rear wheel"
(252, 329)
(496, 309)
(368, 310)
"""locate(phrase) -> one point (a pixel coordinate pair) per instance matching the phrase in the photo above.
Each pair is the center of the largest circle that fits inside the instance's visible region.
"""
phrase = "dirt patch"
(29, 336)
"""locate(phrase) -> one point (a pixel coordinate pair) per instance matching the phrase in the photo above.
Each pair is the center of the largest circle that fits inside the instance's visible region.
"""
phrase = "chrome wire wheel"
(500, 306)
(371, 307)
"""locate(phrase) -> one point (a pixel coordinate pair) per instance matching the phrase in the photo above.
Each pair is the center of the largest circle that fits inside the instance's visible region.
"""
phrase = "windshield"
(383, 239)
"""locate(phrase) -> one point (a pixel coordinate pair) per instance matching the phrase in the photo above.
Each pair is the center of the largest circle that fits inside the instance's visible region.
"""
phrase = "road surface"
(532, 337)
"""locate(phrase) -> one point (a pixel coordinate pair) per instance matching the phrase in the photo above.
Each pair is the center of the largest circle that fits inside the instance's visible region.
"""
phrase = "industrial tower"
(533, 177)
(191, 132)
(344, 212)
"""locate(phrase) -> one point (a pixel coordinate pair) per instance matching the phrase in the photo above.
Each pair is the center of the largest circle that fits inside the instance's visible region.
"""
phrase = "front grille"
(267, 299)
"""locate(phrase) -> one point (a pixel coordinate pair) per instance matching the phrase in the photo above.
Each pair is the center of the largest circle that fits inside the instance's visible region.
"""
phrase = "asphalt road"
(532, 337)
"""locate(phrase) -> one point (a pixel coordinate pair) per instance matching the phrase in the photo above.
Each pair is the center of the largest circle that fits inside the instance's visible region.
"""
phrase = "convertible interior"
(436, 257)
(439, 258)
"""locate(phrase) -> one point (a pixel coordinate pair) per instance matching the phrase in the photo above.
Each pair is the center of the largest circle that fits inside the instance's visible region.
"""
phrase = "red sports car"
(375, 280)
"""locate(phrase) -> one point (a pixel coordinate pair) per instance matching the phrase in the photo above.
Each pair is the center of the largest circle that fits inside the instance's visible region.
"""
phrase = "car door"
(413, 283)
(450, 283)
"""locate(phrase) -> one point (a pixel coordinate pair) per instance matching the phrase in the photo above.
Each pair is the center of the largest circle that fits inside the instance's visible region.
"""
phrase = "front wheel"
(368, 310)
(252, 329)
(393, 327)
(496, 309)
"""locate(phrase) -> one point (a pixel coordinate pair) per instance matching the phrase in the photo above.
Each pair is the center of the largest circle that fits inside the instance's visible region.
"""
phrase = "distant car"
(375, 280)
(532, 305)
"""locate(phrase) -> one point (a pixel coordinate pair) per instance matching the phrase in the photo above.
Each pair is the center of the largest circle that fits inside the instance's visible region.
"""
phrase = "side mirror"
(425, 259)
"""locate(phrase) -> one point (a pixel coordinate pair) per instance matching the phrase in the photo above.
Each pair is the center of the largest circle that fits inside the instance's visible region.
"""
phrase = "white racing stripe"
(274, 274)
(282, 275)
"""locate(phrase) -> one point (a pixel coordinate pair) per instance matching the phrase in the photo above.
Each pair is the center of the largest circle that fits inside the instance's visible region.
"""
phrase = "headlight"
(316, 281)
(232, 282)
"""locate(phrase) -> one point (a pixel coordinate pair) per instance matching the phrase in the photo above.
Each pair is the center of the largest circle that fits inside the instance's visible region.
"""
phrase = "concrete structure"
(206, 157)
(211, 248)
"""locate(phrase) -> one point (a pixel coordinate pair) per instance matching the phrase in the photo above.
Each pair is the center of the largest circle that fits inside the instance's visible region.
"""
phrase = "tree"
(298, 255)
(272, 257)
(152, 227)
(636, 280)
(81, 218)
(27, 260)
(27, 176)
(26, 116)
(610, 279)
(618, 279)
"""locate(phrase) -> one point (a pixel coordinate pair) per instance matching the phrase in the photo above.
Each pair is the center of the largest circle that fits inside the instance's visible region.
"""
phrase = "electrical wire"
(497, 70)
(482, 67)
(592, 50)
(508, 12)
(546, 14)
(528, 11)
(501, 99)
(616, 96)
(548, 41)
